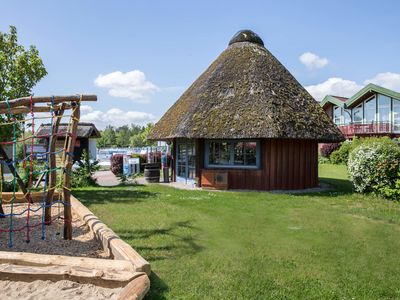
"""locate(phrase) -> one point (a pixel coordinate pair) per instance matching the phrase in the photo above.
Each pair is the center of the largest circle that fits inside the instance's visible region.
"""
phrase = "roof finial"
(246, 36)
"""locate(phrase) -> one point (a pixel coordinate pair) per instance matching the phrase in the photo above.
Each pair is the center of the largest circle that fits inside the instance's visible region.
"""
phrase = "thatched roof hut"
(247, 95)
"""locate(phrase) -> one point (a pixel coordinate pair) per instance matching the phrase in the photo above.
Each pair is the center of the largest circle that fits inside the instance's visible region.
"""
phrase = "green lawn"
(249, 245)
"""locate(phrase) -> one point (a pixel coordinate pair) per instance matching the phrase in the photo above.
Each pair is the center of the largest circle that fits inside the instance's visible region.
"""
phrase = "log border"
(19, 197)
(112, 243)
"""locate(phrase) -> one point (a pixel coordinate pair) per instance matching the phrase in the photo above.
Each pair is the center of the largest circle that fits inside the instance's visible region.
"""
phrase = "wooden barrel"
(152, 172)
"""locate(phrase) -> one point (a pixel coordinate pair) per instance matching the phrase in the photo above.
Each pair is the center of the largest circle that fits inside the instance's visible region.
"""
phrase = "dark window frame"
(231, 164)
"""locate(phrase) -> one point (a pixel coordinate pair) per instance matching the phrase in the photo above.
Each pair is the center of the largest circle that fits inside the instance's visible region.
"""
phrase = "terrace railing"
(380, 128)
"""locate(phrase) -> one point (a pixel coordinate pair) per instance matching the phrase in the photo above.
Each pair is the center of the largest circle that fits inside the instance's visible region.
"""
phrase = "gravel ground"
(106, 178)
(83, 242)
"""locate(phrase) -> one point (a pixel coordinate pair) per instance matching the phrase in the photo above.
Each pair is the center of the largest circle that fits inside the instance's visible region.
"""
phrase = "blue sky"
(144, 54)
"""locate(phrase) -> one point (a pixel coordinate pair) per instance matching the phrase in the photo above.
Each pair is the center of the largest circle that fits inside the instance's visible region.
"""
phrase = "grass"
(251, 245)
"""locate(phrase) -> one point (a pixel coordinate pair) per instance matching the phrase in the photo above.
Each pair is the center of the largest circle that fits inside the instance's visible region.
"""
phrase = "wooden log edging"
(34, 259)
(19, 196)
(30, 266)
(136, 289)
(112, 244)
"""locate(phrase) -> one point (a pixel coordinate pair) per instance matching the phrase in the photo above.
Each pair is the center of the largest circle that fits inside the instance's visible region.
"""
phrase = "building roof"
(339, 101)
(366, 92)
(246, 93)
(343, 99)
(84, 130)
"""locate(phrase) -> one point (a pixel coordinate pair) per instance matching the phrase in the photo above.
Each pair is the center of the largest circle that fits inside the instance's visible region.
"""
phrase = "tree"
(122, 136)
(125, 136)
(140, 139)
(107, 138)
(20, 71)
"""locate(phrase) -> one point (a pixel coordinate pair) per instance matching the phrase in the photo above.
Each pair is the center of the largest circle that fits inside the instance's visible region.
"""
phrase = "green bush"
(117, 164)
(323, 160)
(327, 149)
(84, 175)
(8, 186)
(341, 155)
(375, 167)
(25, 173)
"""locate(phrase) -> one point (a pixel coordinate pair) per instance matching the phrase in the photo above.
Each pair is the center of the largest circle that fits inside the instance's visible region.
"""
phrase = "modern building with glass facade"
(373, 111)
(246, 123)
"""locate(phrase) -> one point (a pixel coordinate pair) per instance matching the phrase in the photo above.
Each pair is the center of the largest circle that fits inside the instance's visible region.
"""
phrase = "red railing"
(372, 128)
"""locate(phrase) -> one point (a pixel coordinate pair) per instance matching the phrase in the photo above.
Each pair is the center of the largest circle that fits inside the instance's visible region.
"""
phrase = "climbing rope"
(28, 160)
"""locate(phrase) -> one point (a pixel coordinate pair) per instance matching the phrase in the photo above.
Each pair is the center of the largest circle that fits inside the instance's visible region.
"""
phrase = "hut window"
(232, 153)
(219, 153)
(245, 153)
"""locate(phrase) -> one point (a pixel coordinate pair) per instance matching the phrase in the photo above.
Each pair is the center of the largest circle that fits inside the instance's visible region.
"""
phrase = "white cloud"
(313, 61)
(388, 80)
(132, 85)
(334, 86)
(342, 87)
(86, 108)
(116, 117)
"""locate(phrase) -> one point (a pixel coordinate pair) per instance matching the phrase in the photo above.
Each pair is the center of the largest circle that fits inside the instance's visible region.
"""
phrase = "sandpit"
(83, 242)
(95, 264)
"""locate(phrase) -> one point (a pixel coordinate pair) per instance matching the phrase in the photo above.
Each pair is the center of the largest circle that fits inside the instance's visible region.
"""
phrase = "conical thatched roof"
(246, 93)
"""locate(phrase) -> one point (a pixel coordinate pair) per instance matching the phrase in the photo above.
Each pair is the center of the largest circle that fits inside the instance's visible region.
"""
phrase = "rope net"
(52, 175)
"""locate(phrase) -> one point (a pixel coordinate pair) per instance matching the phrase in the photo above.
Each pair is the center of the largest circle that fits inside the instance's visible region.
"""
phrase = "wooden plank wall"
(199, 159)
(285, 165)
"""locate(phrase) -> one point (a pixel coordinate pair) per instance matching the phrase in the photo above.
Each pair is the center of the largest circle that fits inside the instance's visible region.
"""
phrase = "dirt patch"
(83, 242)
(47, 290)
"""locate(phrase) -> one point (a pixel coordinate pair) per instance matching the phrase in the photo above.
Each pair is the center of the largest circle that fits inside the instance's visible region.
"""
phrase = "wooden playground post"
(26, 101)
(67, 171)
(53, 163)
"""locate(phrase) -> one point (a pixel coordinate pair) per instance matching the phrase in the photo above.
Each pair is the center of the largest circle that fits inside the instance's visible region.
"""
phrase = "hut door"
(186, 161)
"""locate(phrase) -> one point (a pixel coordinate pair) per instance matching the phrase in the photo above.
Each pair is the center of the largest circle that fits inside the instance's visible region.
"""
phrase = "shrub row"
(339, 153)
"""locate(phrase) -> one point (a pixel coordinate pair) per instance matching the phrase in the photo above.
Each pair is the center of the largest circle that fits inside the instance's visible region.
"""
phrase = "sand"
(47, 290)
(83, 242)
